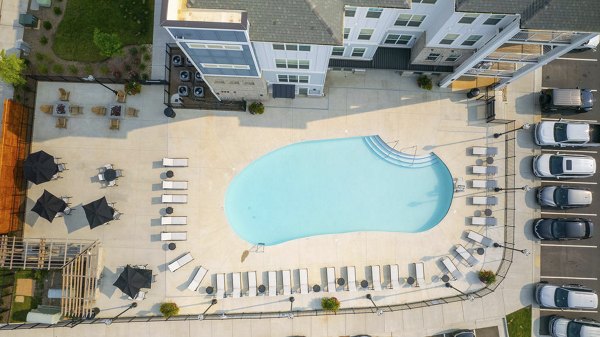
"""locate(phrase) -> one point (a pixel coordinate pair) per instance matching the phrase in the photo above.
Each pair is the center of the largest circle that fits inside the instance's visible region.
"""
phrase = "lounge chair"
(46, 108)
(483, 221)
(451, 267)
(303, 281)
(115, 124)
(99, 110)
(220, 286)
(484, 151)
(459, 185)
(173, 220)
(251, 283)
(61, 123)
(198, 277)
(119, 173)
(331, 279)
(121, 96)
(394, 276)
(376, 276)
(487, 170)
(286, 280)
(469, 259)
(180, 262)
(487, 184)
(420, 274)
(489, 201)
(75, 110)
(174, 198)
(174, 185)
(272, 283)
(175, 162)
(63, 94)
(478, 238)
(236, 282)
(351, 275)
(132, 112)
(173, 236)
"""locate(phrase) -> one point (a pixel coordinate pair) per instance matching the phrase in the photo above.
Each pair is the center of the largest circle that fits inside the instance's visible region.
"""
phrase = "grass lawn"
(131, 20)
(519, 323)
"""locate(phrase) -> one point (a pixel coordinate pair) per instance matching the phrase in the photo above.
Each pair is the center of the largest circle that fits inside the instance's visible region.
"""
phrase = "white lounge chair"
(487, 170)
(220, 286)
(394, 276)
(451, 267)
(490, 201)
(175, 162)
(468, 257)
(286, 277)
(478, 238)
(198, 277)
(180, 262)
(303, 281)
(420, 274)
(459, 185)
(173, 236)
(331, 280)
(484, 151)
(351, 273)
(174, 185)
(251, 283)
(173, 220)
(174, 198)
(236, 283)
(488, 184)
(376, 276)
(483, 221)
(272, 283)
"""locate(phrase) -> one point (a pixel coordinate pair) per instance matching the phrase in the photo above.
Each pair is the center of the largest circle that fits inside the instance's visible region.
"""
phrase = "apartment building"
(248, 49)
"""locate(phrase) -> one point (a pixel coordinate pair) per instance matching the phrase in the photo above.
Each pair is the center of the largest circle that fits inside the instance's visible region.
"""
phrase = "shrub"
(73, 69)
(133, 87)
(424, 82)
(47, 25)
(487, 276)
(133, 51)
(57, 10)
(330, 304)
(142, 66)
(104, 69)
(145, 76)
(256, 108)
(40, 56)
(127, 67)
(43, 40)
(58, 68)
(169, 309)
(11, 68)
(109, 44)
(88, 69)
(147, 57)
(42, 69)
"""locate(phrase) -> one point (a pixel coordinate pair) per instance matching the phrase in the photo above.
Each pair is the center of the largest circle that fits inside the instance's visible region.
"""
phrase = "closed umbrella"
(132, 280)
(98, 212)
(48, 205)
(39, 167)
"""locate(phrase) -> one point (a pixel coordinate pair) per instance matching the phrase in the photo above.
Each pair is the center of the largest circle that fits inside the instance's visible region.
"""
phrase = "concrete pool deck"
(220, 144)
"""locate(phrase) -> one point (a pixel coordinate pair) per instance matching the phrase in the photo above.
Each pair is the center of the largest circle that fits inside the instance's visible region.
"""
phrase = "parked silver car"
(569, 296)
(581, 327)
(563, 166)
(564, 197)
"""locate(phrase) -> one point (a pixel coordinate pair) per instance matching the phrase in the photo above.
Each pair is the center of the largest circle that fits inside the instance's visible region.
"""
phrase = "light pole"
(292, 299)
(525, 252)
(91, 78)
(379, 312)
(212, 302)
(110, 320)
(525, 126)
(469, 296)
(524, 188)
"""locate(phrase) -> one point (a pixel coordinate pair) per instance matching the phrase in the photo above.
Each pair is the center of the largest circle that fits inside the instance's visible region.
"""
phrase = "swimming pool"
(337, 186)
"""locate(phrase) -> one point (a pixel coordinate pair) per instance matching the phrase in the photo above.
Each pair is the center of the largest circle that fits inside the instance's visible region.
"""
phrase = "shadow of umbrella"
(39, 167)
(48, 205)
(98, 212)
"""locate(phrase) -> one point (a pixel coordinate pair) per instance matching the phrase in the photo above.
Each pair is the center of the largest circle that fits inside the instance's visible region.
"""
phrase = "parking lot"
(573, 261)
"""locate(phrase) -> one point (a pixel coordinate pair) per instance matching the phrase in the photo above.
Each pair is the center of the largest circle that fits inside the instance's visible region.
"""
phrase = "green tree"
(109, 44)
(11, 68)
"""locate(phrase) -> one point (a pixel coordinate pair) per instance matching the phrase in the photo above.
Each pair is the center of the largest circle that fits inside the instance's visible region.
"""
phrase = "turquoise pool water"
(337, 186)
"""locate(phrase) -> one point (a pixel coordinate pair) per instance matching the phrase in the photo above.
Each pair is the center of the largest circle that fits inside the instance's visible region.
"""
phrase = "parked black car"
(563, 228)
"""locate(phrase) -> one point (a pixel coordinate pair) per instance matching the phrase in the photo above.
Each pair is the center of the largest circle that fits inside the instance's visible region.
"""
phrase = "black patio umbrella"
(39, 167)
(48, 205)
(98, 212)
(132, 280)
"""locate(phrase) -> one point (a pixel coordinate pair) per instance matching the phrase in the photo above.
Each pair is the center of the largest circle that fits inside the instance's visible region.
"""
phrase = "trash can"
(473, 92)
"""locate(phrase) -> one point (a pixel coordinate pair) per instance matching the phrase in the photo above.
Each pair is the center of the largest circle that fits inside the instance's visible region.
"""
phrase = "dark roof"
(561, 15)
(296, 21)
(389, 58)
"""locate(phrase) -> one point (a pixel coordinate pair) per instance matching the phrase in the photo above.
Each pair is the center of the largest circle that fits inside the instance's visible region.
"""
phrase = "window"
(293, 78)
(433, 56)
(358, 52)
(350, 11)
(374, 12)
(346, 32)
(452, 57)
(225, 66)
(278, 46)
(365, 34)
(409, 20)
(291, 46)
(471, 40)
(303, 47)
(494, 19)
(338, 51)
(292, 64)
(398, 39)
(430, 2)
(280, 63)
(468, 18)
(449, 38)
(214, 46)
(303, 64)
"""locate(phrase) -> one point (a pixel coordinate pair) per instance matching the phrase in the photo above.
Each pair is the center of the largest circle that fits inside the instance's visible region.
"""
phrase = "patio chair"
(376, 276)
(141, 295)
(487, 170)
(331, 280)
(101, 177)
(174, 185)
(198, 277)
(117, 215)
(286, 280)
(451, 267)
(173, 220)
(220, 286)
(107, 167)
(173, 236)
(420, 274)
(64, 95)
(132, 112)
(351, 275)
(99, 110)
(487, 184)
(468, 257)
(478, 238)
(236, 282)
(303, 281)
(61, 123)
(75, 110)
(115, 124)
(272, 276)
(488, 201)
(46, 108)
(394, 276)
(180, 262)
(121, 96)
(484, 151)
(61, 167)
(174, 198)
(483, 221)
(119, 173)
(251, 283)
(175, 162)
(459, 185)
(112, 183)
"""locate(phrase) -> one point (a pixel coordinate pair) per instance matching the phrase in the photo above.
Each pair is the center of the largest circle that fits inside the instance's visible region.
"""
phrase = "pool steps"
(387, 153)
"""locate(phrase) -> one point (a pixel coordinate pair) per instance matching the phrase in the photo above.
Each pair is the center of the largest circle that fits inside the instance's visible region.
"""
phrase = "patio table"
(445, 278)
(262, 289)
(209, 290)
(316, 288)
(364, 284)
(115, 111)
(60, 109)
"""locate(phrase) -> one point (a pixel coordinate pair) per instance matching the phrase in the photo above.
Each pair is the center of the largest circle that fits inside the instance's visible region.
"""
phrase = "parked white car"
(573, 134)
(570, 296)
(581, 327)
(563, 166)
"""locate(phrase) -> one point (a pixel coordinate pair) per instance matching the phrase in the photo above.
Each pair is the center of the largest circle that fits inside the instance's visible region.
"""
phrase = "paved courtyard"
(221, 144)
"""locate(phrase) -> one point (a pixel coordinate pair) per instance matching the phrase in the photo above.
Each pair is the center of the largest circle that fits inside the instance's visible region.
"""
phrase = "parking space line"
(567, 310)
(569, 182)
(562, 150)
(570, 120)
(571, 278)
(577, 59)
(563, 245)
(568, 213)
